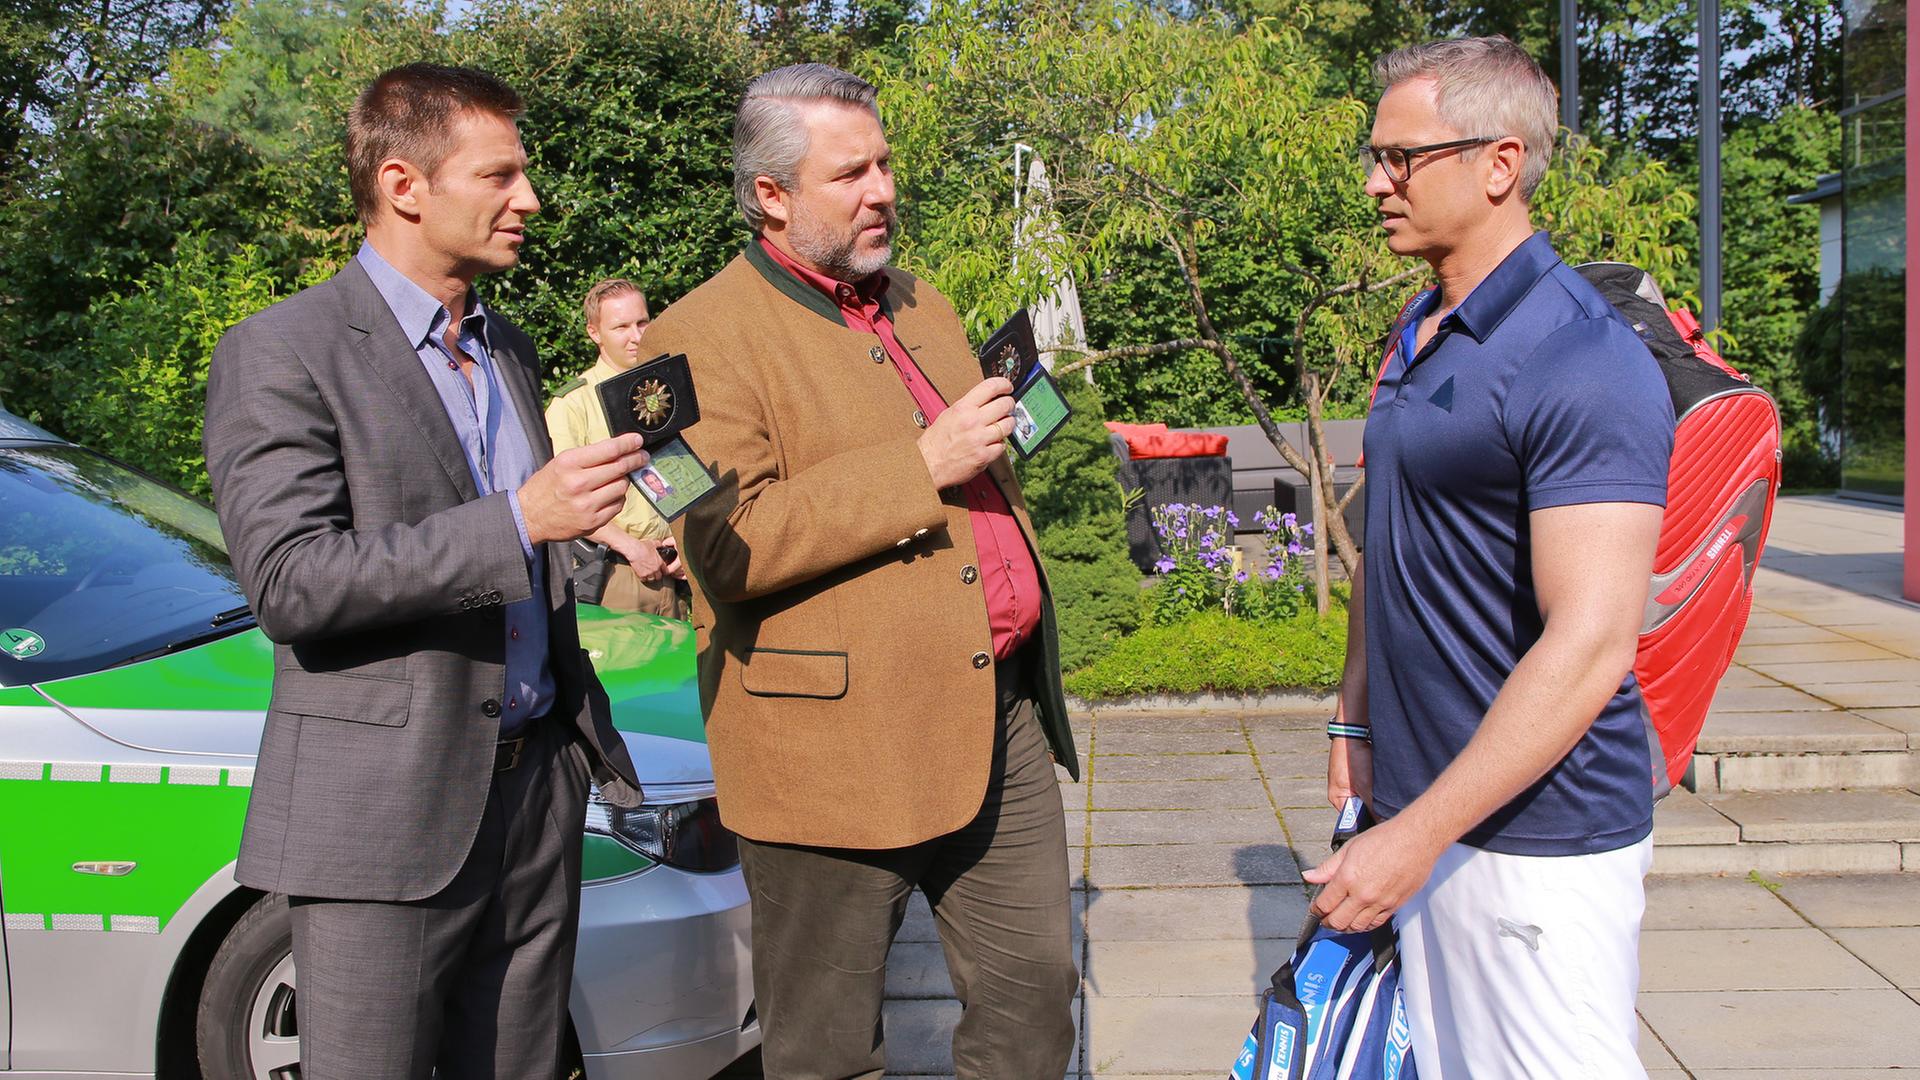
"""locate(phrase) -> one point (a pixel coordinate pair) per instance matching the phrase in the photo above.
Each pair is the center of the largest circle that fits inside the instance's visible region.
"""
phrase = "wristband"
(1339, 730)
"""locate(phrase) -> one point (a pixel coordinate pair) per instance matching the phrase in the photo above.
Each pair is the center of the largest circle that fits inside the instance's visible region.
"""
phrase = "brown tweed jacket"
(845, 661)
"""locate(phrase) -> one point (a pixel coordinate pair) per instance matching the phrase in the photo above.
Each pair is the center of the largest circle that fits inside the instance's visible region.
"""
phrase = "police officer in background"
(643, 570)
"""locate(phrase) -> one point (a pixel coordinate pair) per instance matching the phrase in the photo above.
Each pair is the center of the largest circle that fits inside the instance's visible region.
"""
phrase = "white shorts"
(1526, 966)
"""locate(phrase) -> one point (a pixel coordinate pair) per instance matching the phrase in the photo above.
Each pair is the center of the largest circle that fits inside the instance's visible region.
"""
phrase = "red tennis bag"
(1721, 485)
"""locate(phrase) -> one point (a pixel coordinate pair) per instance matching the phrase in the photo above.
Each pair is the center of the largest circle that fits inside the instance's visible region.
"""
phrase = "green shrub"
(1073, 492)
(142, 373)
(1214, 651)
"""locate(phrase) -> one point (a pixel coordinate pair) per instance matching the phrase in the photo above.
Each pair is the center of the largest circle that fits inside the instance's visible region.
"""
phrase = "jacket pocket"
(795, 673)
(361, 699)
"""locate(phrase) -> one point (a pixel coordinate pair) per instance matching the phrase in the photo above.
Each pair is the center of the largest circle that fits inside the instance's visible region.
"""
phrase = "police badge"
(654, 400)
(1010, 352)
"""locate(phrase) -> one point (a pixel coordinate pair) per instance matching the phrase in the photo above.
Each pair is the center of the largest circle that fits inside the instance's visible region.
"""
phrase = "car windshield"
(100, 566)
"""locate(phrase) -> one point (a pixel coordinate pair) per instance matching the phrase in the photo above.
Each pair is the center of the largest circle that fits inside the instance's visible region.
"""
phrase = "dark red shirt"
(1008, 575)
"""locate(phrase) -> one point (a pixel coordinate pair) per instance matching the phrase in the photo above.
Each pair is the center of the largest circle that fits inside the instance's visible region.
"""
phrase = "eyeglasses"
(1399, 159)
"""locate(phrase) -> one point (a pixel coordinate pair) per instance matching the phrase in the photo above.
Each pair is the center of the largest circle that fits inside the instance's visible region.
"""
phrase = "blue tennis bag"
(1335, 1010)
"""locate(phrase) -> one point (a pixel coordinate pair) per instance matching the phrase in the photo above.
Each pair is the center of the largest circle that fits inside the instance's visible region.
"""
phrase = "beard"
(841, 254)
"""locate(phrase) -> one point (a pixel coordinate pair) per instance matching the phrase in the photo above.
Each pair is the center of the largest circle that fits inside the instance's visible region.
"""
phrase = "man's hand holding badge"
(655, 401)
(1039, 409)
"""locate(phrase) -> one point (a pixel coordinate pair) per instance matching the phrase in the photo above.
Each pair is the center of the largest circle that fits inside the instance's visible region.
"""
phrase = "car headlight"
(687, 835)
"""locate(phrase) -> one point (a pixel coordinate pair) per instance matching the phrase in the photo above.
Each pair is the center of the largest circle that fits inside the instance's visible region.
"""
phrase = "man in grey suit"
(393, 508)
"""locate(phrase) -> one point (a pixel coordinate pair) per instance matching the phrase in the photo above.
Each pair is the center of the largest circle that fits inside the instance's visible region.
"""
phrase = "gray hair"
(768, 136)
(1484, 87)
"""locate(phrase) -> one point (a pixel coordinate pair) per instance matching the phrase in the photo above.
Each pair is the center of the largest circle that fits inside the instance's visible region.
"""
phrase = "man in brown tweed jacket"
(878, 660)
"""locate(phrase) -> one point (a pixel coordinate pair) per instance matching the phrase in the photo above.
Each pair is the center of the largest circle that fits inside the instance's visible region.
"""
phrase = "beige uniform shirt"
(576, 419)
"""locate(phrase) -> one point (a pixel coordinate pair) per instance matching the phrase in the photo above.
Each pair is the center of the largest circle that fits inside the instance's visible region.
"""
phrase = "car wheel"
(245, 1026)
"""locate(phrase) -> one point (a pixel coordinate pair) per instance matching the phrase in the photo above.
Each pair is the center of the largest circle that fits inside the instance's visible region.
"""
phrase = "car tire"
(244, 1027)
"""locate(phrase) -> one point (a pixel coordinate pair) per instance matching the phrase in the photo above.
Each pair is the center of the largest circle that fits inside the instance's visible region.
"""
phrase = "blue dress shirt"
(498, 454)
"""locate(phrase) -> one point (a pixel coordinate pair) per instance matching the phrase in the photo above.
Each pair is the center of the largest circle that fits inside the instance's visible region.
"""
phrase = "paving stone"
(1114, 722)
(1185, 827)
(1792, 632)
(1197, 914)
(1181, 969)
(917, 969)
(1809, 1031)
(1192, 864)
(1738, 676)
(1790, 732)
(1682, 818)
(1173, 742)
(1773, 859)
(1714, 903)
(1130, 1035)
(1855, 899)
(1288, 721)
(1887, 695)
(1900, 670)
(1822, 815)
(1312, 832)
(1781, 1074)
(1653, 1055)
(1182, 795)
(1753, 959)
(1312, 743)
(1893, 951)
(1175, 767)
(1899, 719)
(920, 1038)
(1307, 766)
(1299, 792)
(1766, 699)
(1802, 772)
(1809, 652)
(1076, 821)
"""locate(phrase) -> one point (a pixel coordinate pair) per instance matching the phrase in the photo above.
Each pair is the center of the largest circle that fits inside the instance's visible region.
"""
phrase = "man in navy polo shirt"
(1517, 459)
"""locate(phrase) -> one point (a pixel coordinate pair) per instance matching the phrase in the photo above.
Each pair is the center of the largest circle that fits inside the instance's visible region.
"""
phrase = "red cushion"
(1172, 444)
(1119, 428)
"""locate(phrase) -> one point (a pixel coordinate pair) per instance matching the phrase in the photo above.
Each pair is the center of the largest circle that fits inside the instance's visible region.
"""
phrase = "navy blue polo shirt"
(1534, 392)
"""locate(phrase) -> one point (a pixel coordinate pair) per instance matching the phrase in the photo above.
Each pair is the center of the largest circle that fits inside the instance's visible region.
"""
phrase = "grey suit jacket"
(381, 575)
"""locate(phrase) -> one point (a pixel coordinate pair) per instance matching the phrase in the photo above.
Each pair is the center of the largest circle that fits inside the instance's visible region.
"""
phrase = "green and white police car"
(133, 685)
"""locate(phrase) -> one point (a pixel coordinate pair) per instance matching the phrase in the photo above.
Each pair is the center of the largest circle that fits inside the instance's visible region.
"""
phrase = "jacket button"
(490, 707)
(879, 354)
(969, 574)
(981, 660)
(919, 418)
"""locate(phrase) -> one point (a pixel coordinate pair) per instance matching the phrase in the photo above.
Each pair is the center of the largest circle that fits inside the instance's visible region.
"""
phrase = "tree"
(1209, 142)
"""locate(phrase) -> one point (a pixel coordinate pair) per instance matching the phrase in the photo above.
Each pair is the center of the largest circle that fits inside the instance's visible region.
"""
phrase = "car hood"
(212, 699)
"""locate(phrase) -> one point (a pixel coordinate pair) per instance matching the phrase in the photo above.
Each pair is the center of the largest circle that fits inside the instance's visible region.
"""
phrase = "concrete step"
(1864, 830)
(1797, 751)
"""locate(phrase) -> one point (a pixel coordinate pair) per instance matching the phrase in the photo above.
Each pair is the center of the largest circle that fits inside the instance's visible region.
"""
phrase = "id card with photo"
(1039, 412)
(673, 480)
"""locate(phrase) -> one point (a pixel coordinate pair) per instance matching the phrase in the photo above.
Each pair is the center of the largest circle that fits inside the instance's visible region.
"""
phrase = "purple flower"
(1294, 548)
(1273, 571)
(1213, 512)
(1290, 521)
(1181, 591)
(1181, 533)
(1233, 520)
(1307, 529)
(1240, 577)
(1164, 565)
